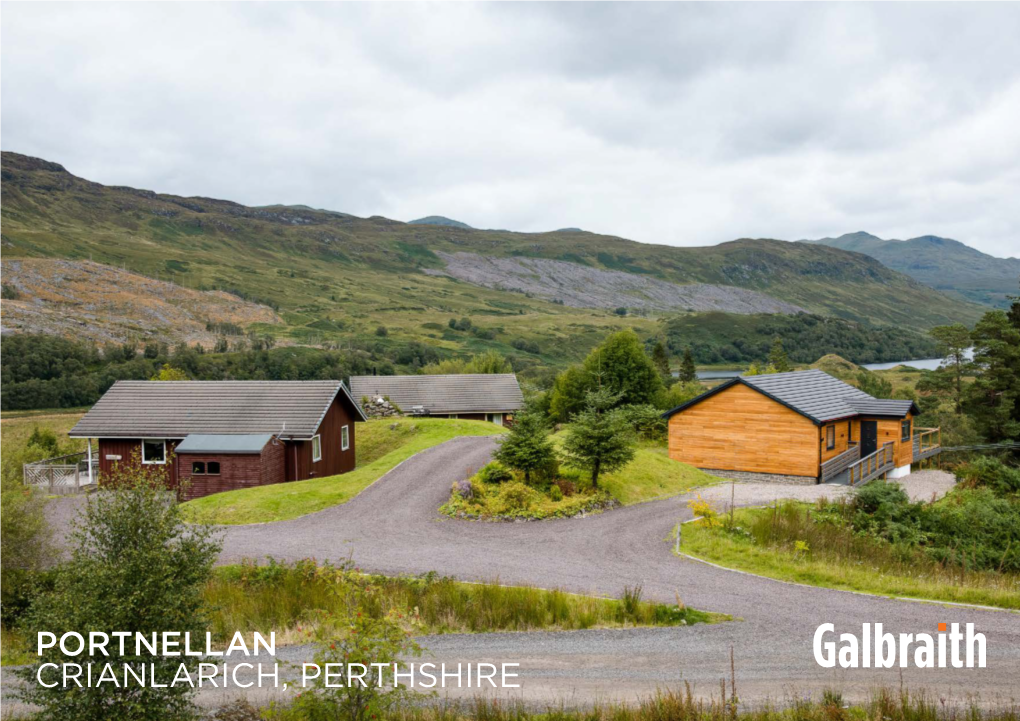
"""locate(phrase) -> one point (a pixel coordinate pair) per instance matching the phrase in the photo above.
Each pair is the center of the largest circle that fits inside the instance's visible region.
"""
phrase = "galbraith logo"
(888, 650)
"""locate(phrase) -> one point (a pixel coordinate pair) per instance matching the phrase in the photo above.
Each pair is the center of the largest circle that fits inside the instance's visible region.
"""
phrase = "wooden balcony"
(834, 469)
(871, 467)
(927, 443)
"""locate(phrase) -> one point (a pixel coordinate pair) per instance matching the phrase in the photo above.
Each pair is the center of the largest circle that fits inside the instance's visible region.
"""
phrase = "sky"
(680, 124)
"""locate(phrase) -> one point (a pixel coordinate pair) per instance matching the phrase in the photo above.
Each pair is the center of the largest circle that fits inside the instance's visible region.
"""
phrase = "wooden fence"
(63, 474)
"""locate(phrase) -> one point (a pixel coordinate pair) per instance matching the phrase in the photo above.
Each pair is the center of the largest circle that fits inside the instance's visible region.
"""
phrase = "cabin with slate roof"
(798, 427)
(492, 397)
(214, 436)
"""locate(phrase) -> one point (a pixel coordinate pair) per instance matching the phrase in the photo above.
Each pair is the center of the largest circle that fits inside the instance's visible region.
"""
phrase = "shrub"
(515, 497)
(464, 489)
(647, 420)
(566, 486)
(555, 493)
(494, 473)
(992, 473)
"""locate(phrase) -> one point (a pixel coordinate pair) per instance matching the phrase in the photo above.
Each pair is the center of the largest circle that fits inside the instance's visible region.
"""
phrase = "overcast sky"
(684, 124)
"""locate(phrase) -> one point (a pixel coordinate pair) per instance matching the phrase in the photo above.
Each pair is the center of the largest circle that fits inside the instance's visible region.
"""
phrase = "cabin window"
(345, 438)
(905, 436)
(316, 449)
(214, 468)
(154, 451)
(830, 437)
(198, 468)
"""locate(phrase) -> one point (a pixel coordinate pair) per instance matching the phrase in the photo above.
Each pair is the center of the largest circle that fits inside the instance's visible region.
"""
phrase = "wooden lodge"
(799, 427)
(213, 436)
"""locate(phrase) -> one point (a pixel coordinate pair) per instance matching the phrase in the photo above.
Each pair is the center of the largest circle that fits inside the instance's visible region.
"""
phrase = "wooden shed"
(213, 436)
(797, 427)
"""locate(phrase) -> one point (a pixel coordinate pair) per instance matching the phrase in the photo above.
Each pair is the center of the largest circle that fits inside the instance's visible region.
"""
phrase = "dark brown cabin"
(213, 436)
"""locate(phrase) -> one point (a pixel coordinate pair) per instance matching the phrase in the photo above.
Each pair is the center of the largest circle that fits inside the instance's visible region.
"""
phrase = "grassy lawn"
(379, 449)
(17, 426)
(815, 567)
(653, 474)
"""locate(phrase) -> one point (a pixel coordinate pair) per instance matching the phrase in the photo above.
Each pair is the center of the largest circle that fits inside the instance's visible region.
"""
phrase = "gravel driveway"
(393, 527)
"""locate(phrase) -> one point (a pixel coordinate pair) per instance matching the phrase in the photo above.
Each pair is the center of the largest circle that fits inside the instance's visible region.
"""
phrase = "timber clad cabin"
(214, 436)
(798, 427)
(492, 397)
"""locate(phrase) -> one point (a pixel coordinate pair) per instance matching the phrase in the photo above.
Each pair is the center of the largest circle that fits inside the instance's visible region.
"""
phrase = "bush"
(555, 493)
(647, 420)
(566, 486)
(494, 473)
(991, 473)
(464, 489)
(515, 496)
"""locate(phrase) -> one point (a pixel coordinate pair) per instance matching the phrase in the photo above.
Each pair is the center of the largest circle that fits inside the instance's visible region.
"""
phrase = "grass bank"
(279, 597)
(832, 556)
(379, 449)
(653, 474)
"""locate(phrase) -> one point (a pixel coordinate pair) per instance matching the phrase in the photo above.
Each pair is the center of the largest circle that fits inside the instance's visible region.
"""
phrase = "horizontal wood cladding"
(842, 432)
(125, 455)
(889, 429)
(739, 429)
(236, 471)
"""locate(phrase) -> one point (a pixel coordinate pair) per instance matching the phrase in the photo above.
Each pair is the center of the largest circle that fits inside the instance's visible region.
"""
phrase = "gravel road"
(393, 527)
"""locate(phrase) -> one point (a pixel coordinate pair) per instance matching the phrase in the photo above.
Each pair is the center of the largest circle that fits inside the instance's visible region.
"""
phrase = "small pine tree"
(753, 370)
(169, 373)
(526, 447)
(599, 439)
(660, 359)
(777, 357)
(688, 371)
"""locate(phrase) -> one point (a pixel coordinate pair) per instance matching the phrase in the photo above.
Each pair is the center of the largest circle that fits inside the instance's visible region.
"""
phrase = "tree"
(660, 359)
(688, 371)
(777, 356)
(873, 384)
(599, 439)
(135, 566)
(677, 394)
(619, 364)
(953, 341)
(526, 447)
(169, 373)
(993, 400)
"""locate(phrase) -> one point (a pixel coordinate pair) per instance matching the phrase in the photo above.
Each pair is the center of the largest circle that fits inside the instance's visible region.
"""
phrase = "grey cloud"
(674, 123)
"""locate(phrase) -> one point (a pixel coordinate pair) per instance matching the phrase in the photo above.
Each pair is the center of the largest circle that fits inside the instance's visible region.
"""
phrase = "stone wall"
(763, 477)
(380, 408)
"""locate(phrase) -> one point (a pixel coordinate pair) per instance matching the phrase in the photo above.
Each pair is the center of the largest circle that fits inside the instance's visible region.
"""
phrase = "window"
(905, 436)
(316, 449)
(830, 437)
(153, 451)
(214, 468)
(198, 468)
(345, 439)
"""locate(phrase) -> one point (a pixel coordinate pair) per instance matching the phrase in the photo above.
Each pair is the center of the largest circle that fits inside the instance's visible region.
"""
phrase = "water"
(928, 364)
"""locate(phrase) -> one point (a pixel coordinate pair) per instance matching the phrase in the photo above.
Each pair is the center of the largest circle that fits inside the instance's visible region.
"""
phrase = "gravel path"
(393, 527)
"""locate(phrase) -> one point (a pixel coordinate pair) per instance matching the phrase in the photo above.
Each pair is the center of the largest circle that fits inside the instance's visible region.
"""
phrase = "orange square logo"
(942, 627)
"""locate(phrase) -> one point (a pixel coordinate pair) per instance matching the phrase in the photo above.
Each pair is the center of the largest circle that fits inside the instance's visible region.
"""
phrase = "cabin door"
(869, 437)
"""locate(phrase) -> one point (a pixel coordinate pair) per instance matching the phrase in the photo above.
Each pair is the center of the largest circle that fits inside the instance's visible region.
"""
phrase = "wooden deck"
(63, 474)
(927, 443)
(872, 466)
(834, 470)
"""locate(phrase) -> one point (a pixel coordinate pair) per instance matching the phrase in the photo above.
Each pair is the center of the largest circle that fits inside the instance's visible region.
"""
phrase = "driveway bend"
(394, 527)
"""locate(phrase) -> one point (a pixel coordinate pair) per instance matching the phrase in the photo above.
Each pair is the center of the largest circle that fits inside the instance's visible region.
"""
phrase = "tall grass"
(812, 544)
(278, 597)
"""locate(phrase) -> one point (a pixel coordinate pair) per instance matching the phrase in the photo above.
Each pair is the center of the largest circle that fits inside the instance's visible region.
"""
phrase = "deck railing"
(833, 467)
(63, 474)
(927, 443)
(872, 466)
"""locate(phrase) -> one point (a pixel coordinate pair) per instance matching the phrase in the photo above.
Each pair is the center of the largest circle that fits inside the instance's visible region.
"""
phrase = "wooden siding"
(130, 452)
(889, 429)
(299, 462)
(739, 429)
(842, 433)
(236, 471)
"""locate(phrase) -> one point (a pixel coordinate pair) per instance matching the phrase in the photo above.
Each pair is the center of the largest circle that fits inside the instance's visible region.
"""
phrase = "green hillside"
(942, 263)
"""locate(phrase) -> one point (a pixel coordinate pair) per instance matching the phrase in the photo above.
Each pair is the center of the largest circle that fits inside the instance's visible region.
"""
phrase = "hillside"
(941, 263)
(439, 220)
(337, 278)
(85, 300)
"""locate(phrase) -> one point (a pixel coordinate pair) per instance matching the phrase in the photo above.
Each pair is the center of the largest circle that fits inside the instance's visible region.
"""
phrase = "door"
(869, 437)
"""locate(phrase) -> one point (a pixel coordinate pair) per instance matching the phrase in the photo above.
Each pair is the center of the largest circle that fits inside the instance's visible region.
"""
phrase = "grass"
(278, 597)
(832, 556)
(379, 450)
(17, 426)
(652, 475)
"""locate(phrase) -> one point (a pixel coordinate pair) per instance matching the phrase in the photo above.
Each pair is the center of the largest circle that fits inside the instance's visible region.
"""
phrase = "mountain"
(440, 220)
(942, 263)
(393, 287)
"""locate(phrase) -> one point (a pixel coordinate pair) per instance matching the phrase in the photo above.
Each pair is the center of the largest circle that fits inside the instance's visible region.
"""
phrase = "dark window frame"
(195, 465)
(905, 430)
(830, 437)
(209, 468)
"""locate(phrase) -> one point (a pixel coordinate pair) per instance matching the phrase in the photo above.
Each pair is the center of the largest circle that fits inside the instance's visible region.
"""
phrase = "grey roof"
(175, 409)
(465, 393)
(815, 394)
(220, 443)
